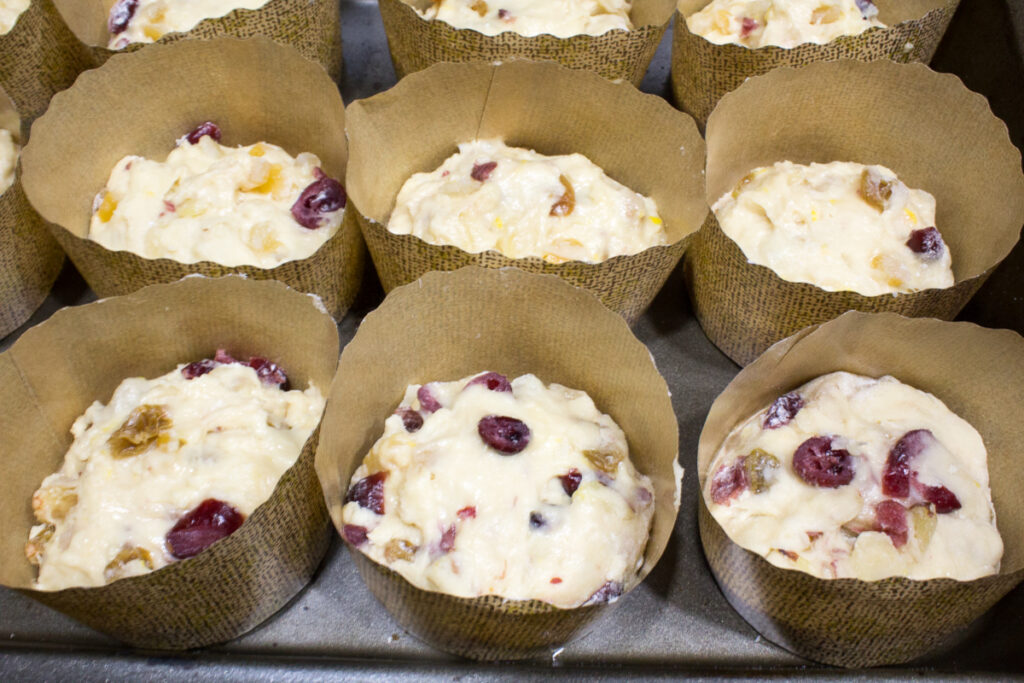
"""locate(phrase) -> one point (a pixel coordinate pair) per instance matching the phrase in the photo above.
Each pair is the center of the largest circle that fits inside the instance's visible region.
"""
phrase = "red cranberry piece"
(200, 528)
(428, 403)
(120, 15)
(942, 498)
(206, 128)
(571, 481)
(819, 465)
(482, 172)
(556, 580)
(606, 593)
(504, 434)
(323, 195)
(927, 242)
(748, 27)
(537, 520)
(198, 368)
(468, 512)
(896, 476)
(493, 381)
(269, 372)
(354, 534)
(782, 411)
(892, 520)
(504, 14)
(411, 420)
(729, 481)
(447, 541)
(369, 492)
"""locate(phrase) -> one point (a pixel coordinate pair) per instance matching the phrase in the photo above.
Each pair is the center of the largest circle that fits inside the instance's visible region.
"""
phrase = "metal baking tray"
(677, 623)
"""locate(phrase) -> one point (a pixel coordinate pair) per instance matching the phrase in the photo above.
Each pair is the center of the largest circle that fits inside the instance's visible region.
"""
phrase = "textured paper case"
(702, 72)
(313, 27)
(450, 325)
(39, 56)
(416, 43)
(927, 127)
(56, 370)
(30, 259)
(637, 139)
(979, 374)
(141, 103)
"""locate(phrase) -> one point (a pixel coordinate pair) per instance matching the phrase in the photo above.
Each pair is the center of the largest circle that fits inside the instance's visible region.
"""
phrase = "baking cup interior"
(449, 325)
(80, 355)
(979, 374)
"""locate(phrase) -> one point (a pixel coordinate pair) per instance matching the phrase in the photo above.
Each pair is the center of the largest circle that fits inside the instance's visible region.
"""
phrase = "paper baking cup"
(254, 89)
(447, 326)
(30, 259)
(313, 27)
(979, 374)
(637, 139)
(416, 43)
(927, 127)
(702, 72)
(80, 355)
(39, 56)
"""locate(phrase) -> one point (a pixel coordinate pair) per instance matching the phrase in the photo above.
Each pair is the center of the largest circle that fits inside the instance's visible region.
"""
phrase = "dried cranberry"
(269, 372)
(200, 528)
(504, 434)
(354, 534)
(206, 128)
(369, 492)
(482, 172)
(571, 481)
(942, 498)
(749, 25)
(537, 520)
(428, 403)
(504, 14)
(606, 593)
(892, 520)
(819, 465)
(411, 420)
(493, 381)
(927, 242)
(729, 481)
(468, 512)
(120, 15)
(896, 476)
(447, 541)
(323, 195)
(782, 411)
(198, 368)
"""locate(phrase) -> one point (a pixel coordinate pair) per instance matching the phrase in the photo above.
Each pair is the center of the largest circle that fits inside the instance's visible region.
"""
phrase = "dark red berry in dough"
(482, 172)
(493, 381)
(206, 128)
(782, 411)
(368, 492)
(896, 475)
(892, 520)
(504, 434)
(323, 195)
(818, 464)
(203, 526)
(927, 242)
(571, 481)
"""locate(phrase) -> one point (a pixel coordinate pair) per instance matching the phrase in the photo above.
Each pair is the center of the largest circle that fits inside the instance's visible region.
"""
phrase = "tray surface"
(677, 623)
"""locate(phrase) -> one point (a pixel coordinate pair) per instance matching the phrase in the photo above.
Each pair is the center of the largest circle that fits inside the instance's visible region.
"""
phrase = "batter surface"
(146, 21)
(782, 23)
(10, 10)
(561, 18)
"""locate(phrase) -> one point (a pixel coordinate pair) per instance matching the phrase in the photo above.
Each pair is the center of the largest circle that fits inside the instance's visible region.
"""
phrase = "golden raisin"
(875, 190)
(37, 543)
(759, 466)
(399, 549)
(139, 432)
(480, 7)
(826, 14)
(115, 568)
(923, 520)
(606, 461)
(567, 202)
(53, 503)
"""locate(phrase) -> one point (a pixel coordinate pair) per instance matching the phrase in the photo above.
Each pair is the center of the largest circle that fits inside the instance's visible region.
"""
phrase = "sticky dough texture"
(231, 438)
(209, 202)
(590, 539)
(561, 18)
(784, 24)
(867, 417)
(155, 18)
(10, 10)
(510, 211)
(810, 223)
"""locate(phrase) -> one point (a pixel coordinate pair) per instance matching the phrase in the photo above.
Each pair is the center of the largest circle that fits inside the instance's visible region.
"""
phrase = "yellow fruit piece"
(257, 150)
(107, 208)
(274, 182)
(911, 215)
(152, 33)
(655, 220)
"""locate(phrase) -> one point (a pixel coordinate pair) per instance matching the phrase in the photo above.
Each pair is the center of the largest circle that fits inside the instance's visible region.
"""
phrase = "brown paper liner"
(57, 369)
(313, 27)
(254, 89)
(979, 374)
(637, 139)
(30, 259)
(702, 72)
(447, 326)
(39, 57)
(927, 127)
(416, 43)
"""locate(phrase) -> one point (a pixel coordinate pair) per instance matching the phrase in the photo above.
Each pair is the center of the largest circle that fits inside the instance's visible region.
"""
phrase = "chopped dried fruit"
(826, 14)
(923, 521)
(782, 411)
(107, 207)
(537, 520)
(140, 431)
(198, 368)
(482, 172)
(818, 464)
(729, 481)
(447, 541)
(867, 8)
(504, 434)
(206, 128)
(399, 549)
(504, 14)
(875, 190)
(37, 543)
(428, 403)
(323, 195)
(269, 372)
(493, 381)
(571, 481)
(354, 534)
(53, 503)
(606, 461)
(480, 7)
(411, 420)
(468, 512)
(789, 554)
(368, 492)
(200, 528)
(748, 26)
(759, 468)
(556, 580)
(224, 357)
(891, 518)
(120, 15)
(927, 242)
(115, 568)
(564, 205)
(896, 476)
(942, 498)
(606, 593)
